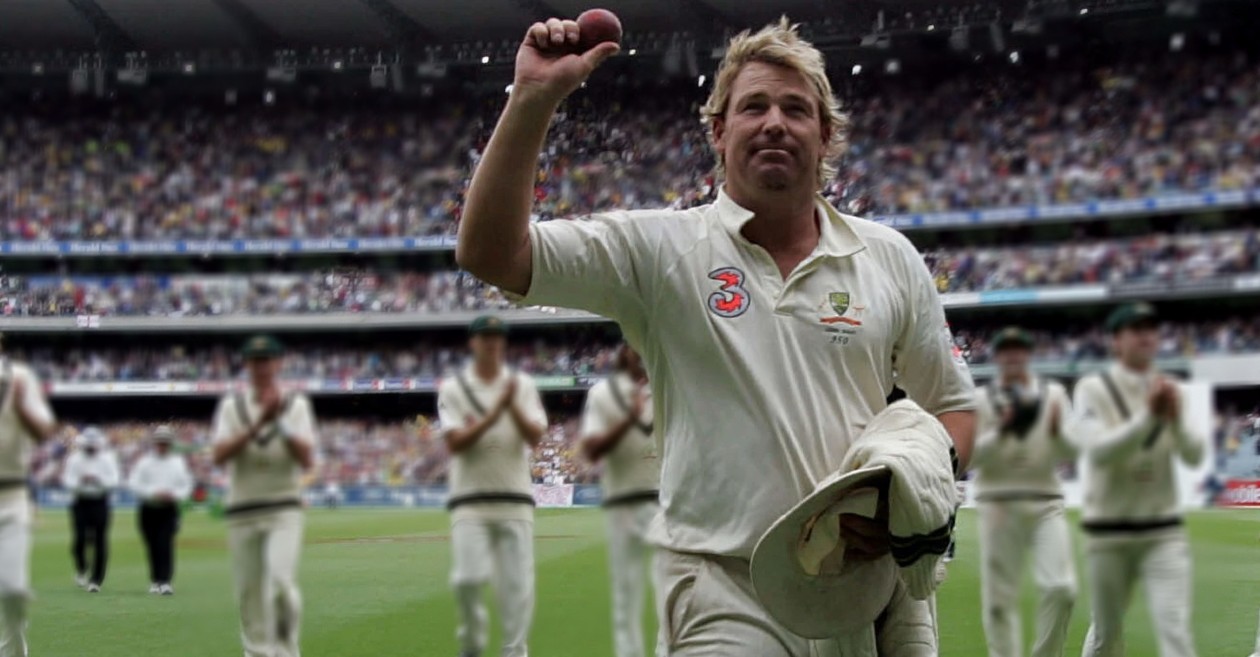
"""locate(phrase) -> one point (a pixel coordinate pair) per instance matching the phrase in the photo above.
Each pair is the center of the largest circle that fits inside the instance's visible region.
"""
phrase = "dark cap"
(262, 346)
(1131, 314)
(1012, 336)
(488, 325)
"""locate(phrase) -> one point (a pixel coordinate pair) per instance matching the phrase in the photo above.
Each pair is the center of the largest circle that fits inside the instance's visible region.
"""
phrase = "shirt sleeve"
(70, 473)
(301, 421)
(1065, 443)
(33, 398)
(595, 420)
(930, 368)
(224, 422)
(532, 402)
(1190, 443)
(988, 430)
(601, 265)
(449, 415)
(183, 480)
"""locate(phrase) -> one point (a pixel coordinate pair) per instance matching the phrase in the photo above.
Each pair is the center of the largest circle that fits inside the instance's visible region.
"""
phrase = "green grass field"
(375, 585)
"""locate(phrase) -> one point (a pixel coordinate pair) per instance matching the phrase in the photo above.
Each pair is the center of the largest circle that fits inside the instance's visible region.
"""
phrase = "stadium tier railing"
(1243, 284)
(1103, 209)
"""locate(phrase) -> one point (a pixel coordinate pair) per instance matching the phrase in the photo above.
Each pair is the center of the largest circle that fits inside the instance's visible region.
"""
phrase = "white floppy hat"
(798, 569)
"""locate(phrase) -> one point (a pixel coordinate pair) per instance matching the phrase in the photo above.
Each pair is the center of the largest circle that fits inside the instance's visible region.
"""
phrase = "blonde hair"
(781, 45)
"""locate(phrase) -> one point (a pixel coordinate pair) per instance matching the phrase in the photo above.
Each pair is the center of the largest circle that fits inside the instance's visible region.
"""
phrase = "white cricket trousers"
(1162, 562)
(1009, 532)
(15, 572)
(708, 608)
(629, 565)
(265, 547)
(500, 553)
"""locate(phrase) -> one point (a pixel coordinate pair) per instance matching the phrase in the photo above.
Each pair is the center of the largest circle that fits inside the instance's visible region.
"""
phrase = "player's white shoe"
(81, 580)
(93, 588)
(154, 588)
(167, 590)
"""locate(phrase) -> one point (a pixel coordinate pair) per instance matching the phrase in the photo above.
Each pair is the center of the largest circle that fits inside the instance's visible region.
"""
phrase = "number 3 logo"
(732, 299)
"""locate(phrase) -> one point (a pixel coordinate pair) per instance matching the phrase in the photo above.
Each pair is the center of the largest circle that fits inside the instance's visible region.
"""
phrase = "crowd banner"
(371, 495)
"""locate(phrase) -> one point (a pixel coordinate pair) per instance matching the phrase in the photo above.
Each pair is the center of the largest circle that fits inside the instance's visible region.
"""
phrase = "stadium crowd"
(1158, 257)
(581, 356)
(222, 362)
(981, 138)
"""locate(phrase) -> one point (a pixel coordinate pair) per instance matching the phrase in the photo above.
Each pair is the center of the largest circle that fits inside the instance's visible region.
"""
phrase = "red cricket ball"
(596, 26)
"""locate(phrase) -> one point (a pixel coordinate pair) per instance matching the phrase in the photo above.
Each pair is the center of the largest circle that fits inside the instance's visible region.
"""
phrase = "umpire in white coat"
(266, 438)
(617, 429)
(492, 417)
(1019, 443)
(161, 482)
(91, 475)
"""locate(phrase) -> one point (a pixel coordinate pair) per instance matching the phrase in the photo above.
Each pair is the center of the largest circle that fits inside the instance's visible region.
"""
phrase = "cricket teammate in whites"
(1132, 428)
(1019, 442)
(770, 324)
(266, 438)
(25, 418)
(491, 417)
(617, 429)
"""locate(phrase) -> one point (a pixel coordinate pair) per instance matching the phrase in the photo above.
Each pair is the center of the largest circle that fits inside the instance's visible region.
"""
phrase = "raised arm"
(493, 242)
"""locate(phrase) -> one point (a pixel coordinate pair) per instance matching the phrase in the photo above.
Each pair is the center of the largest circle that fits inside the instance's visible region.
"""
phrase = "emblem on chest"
(731, 298)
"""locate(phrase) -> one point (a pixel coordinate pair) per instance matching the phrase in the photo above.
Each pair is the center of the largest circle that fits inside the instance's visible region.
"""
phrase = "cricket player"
(1019, 442)
(25, 418)
(160, 480)
(617, 429)
(771, 325)
(266, 437)
(91, 475)
(1131, 424)
(491, 417)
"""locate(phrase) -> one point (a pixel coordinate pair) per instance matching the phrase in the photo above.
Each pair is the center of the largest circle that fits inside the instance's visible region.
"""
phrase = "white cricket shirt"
(91, 476)
(15, 440)
(154, 474)
(1131, 481)
(760, 383)
(632, 469)
(1011, 467)
(264, 476)
(491, 479)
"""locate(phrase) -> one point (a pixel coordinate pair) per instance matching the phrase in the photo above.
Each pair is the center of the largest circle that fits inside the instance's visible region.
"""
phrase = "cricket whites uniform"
(264, 515)
(1132, 517)
(630, 482)
(492, 509)
(15, 503)
(760, 384)
(1020, 501)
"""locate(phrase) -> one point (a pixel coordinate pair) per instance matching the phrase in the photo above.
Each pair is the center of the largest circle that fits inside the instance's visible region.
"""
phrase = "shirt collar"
(1127, 377)
(837, 238)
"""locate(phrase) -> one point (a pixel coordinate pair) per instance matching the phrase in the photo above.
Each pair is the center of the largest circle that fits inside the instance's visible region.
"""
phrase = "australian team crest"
(839, 302)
